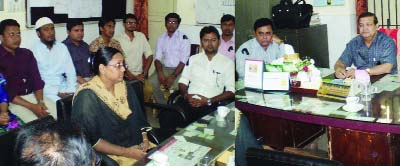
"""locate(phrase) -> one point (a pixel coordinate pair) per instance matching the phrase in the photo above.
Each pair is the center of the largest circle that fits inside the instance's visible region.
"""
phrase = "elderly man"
(136, 49)
(78, 49)
(227, 46)
(24, 84)
(207, 80)
(264, 46)
(372, 51)
(172, 53)
(54, 62)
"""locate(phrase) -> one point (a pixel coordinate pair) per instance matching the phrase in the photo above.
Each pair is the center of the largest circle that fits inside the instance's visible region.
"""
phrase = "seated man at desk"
(372, 51)
(264, 46)
(207, 79)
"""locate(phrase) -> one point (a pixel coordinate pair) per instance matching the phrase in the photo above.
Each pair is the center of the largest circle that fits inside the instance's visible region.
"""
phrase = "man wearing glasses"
(264, 46)
(172, 53)
(136, 48)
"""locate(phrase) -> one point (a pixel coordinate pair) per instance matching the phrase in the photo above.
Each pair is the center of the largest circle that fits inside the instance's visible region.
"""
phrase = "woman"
(8, 120)
(109, 112)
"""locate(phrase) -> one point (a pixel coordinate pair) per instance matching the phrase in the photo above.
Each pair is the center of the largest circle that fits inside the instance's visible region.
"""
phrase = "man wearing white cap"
(54, 62)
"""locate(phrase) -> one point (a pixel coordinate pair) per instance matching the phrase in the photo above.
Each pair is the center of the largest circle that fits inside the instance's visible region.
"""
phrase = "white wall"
(341, 23)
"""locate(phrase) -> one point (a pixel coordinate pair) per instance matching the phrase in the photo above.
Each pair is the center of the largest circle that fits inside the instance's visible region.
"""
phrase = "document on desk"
(317, 106)
(183, 153)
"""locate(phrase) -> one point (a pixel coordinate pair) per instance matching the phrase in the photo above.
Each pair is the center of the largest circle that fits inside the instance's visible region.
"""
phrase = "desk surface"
(223, 136)
(380, 114)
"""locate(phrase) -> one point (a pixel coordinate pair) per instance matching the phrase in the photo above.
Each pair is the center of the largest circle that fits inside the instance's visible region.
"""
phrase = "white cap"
(43, 21)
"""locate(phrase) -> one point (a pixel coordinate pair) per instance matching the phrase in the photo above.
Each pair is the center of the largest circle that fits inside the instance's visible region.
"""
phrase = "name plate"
(276, 81)
(253, 73)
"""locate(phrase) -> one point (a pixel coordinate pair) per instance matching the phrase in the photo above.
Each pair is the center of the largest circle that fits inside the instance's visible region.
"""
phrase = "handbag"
(292, 15)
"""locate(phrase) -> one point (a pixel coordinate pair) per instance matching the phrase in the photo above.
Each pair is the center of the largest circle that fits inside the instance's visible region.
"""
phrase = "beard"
(49, 43)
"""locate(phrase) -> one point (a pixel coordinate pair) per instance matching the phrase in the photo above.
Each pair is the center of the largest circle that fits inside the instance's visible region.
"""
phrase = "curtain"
(141, 11)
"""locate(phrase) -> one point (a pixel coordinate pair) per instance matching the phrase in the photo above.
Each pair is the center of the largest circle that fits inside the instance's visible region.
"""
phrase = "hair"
(129, 15)
(172, 15)
(227, 17)
(102, 56)
(209, 29)
(53, 144)
(7, 22)
(368, 14)
(263, 22)
(103, 21)
(72, 22)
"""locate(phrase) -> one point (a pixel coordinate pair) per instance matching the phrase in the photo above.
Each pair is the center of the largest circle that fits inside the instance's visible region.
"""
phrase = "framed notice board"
(60, 10)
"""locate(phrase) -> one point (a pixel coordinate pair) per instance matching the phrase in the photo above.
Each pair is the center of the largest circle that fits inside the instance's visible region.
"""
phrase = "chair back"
(64, 108)
(138, 88)
(194, 49)
(8, 140)
(261, 157)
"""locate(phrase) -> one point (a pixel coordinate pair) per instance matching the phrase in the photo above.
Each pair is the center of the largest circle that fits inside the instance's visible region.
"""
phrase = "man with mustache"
(372, 51)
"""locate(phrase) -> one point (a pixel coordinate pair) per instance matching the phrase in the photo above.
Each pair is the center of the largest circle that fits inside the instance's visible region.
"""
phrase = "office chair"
(64, 108)
(8, 140)
(261, 157)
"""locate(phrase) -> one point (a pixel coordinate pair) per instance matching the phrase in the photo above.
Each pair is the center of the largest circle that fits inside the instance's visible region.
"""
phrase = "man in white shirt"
(207, 80)
(54, 62)
(136, 49)
(172, 53)
(264, 46)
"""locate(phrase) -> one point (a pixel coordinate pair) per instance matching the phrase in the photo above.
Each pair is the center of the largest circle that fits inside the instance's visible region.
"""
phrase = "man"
(372, 51)
(54, 143)
(172, 53)
(207, 80)
(54, 62)
(136, 48)
(78, 49)
(264, 46)
(106, 31)
(227, 46)
(24, 84)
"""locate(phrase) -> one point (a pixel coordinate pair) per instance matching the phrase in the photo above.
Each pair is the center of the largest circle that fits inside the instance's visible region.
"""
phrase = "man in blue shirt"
(78, 49)
(372, 51)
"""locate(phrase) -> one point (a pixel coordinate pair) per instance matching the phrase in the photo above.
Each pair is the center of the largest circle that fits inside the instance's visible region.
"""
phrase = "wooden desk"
(355, 139)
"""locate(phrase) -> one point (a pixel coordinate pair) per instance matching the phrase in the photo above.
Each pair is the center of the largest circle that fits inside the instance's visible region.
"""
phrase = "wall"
(341, 23)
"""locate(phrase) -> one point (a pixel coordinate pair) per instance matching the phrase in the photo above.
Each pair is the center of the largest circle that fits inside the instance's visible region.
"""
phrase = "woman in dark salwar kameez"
(109, 112)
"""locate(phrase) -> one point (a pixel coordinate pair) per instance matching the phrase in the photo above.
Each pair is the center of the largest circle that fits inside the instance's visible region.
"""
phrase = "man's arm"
(38, 109)
(340, 69)
(70, 72)
(147, 65)
(174, 75)
(222, 97)
(381, 69)
(81, 80)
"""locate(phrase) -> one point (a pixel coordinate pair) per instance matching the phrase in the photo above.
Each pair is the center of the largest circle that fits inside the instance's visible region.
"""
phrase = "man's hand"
(62, 95)
(340, 73)
(350, 73)
(129, 76)
(40, 110)
(161, 78)
(140, 77)
(197, 101)
(134, 152)
(170, 80)
(4, 118)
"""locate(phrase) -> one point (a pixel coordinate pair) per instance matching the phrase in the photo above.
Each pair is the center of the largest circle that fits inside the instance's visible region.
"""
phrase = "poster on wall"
(15, 6)
(211, 11)
(1, 5)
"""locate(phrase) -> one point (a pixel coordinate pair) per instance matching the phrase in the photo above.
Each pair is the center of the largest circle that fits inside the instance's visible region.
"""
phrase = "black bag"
(289, 15)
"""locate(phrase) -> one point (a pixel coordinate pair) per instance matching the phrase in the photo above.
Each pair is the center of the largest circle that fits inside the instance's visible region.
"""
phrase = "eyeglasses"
(172, 22)
(14, 34)
(131, 23)
(267, 34)
(119, 65)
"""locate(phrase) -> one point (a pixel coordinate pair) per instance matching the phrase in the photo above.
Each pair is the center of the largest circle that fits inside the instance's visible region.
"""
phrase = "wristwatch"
(209, 102)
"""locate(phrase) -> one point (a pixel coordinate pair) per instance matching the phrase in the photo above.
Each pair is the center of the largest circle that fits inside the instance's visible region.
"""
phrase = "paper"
(207, 117)
(320, 107)
(279, 101)
(209, 131)
(276, 81)
(180, 138)
(61, 6)
(183, 153)
(319, 3)
(40, 3)
(253, 73)
(337, 2)
(80, 9)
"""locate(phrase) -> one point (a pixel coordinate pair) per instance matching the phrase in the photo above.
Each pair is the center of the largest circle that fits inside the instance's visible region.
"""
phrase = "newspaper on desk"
(182, 153)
